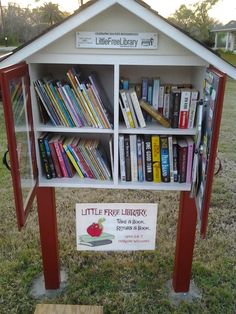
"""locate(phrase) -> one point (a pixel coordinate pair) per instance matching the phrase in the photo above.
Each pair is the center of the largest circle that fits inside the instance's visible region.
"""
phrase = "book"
(165, 163)
(184, 108)
(175, 159)
(124, 100)
(161, 99)
(182, 147)
(156, 160)
(137, 108)
(46, 139)
(56, 140)
(193, 108)
(155, 114)
(44, 157)
(140, 159)
(127, 158)
(72, 155)
(171, 160)
(133, 157)
(175, 107)
(148, 158)
(190, 143)
(122, 158)
(104, 238)
(131, 106)
(166, 101)
(155, 93)
(55, 158)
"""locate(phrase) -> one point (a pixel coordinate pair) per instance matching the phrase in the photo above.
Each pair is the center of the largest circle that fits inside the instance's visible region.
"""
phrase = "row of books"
(155, 158)
(76, 101)
(176, 103)
(63, 156)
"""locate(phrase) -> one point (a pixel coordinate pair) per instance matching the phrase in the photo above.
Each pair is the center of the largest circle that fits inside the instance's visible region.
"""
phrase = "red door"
(208, 141)
(15, 85)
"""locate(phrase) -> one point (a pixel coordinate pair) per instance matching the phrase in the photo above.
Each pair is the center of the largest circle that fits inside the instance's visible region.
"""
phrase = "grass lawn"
(126, 282)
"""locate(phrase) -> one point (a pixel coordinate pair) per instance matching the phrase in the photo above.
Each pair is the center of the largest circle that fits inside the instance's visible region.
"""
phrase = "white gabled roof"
(138, 8)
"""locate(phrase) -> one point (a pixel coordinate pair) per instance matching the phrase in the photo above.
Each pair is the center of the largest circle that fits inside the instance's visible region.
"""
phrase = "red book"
(55, 158)
(58, 146)
(184, 109)
(182, 149)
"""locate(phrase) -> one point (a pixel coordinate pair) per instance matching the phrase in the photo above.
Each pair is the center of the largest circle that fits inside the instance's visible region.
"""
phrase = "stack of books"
(75, 102)
(64, 156)
(155, 158)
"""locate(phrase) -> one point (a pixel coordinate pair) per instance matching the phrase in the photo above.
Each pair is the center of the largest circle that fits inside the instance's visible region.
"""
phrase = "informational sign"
(116, 40)
(116, 226)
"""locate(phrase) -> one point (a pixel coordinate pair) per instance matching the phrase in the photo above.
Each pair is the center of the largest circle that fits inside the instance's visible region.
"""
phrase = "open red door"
(15, 85)
(210, 119)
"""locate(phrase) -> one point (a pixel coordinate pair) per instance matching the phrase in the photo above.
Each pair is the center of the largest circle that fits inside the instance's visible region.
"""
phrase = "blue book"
(165, 163)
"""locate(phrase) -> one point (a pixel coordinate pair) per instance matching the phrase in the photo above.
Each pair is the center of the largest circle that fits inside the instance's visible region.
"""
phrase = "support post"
(48, 236)
(185, 240)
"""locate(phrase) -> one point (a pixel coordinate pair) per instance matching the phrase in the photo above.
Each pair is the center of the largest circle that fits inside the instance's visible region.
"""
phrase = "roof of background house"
(231, 26)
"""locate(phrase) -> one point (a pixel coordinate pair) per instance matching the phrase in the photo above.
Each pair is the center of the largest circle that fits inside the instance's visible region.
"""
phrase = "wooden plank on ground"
(67, 309)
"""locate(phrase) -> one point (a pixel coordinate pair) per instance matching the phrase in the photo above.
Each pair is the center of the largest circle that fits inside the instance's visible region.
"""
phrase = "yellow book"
(72, 159)
(154, 114)
(156, 158)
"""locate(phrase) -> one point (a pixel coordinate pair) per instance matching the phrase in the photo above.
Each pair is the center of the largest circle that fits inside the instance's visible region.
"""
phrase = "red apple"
(95, 229)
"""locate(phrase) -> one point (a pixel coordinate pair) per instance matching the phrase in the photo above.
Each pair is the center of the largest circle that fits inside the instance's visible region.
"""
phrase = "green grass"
(228, 56)
(126, 282)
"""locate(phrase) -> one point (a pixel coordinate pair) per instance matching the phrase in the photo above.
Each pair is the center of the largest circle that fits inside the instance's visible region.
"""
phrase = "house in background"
(229, 33)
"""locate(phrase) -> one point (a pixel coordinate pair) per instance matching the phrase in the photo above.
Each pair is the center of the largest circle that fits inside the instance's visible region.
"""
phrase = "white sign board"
(116, 227)
(116, 40)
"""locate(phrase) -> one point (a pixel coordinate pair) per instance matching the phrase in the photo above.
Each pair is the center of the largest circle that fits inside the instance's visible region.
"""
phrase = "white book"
(132, 109)
(170, 147)
(122, 158)
(137, 108)
(127, 108)
(161, 98)
(133, 157)
(184, 108)
(192, 108)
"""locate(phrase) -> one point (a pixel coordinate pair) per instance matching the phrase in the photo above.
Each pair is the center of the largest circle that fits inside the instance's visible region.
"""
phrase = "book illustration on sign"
(95, 235)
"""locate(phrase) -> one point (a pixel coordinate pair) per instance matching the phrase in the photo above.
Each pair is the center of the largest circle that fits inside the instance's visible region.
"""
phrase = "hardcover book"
(175, 107)
(165, 163)
(156, 159)
(127, 158)
(182, 159)
(148, 158)
(184, 108)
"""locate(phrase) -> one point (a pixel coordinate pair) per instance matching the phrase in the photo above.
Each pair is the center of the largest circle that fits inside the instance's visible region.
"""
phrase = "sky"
(224, 10)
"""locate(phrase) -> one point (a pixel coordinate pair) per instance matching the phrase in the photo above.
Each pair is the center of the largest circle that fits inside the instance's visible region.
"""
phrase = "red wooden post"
(184, 243)
(48, 236)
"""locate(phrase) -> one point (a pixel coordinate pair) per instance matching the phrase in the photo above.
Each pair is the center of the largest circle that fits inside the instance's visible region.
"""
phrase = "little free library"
(116, 97)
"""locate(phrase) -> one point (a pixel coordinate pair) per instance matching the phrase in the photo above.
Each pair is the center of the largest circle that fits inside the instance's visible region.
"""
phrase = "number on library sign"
(115, 227)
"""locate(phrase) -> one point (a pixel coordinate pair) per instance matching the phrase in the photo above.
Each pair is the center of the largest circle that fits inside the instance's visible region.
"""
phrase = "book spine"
(155, 93)
(156, 115)
(137, 108)
(133, 157)
(140, 159)
(189, 159)
(175, 160)
(127, 108)
(73, 158)
(192, 109)
(127, 158)
(165, 164)
(166, 103)
(55, 160)
(156, 162)
(60, 158)
(175, 104)
(44, 159)
(148, 158)
(132, 109)
(161, 99)
(124, 113)
(182, 163)
(122, 158)
(49, 157)
(170, 146)
(184, 109)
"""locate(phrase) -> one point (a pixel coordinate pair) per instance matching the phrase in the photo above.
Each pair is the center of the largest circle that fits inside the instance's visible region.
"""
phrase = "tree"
(196, 20)
(50, 13)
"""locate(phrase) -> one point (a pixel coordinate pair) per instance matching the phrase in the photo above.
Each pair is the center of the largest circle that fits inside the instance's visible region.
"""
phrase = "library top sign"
(116, 40)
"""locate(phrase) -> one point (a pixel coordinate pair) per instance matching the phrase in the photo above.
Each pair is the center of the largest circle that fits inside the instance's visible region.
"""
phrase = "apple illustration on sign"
(95, 229)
